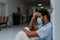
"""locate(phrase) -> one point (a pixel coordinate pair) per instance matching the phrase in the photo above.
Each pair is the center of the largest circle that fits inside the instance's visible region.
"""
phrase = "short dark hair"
(45, 12)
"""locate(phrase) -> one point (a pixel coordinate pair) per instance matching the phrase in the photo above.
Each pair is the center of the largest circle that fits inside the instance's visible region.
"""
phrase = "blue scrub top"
(45, 32)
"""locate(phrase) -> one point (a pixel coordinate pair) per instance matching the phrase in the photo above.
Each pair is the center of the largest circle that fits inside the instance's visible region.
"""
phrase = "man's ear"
(45, 16)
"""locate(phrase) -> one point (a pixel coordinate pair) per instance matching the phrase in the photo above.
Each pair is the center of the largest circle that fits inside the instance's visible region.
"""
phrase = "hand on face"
(35, 14)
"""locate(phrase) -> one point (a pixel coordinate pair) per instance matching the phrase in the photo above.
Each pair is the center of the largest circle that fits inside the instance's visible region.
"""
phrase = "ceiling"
(35, 2)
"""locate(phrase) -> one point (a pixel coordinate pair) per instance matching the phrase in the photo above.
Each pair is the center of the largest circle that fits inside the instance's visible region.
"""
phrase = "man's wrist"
(33, 18)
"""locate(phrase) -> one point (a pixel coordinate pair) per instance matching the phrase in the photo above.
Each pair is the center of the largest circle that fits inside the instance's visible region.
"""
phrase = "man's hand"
(25, 30)
(35, 15)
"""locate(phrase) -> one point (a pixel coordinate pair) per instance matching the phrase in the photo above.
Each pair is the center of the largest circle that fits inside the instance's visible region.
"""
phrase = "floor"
(9, 33)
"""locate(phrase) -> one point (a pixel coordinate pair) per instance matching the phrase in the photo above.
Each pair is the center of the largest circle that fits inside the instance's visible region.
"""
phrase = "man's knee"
(21, 32)
(19, 35)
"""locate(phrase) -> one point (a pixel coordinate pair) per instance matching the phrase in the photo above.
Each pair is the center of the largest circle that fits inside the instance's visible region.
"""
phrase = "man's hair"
(45, 12)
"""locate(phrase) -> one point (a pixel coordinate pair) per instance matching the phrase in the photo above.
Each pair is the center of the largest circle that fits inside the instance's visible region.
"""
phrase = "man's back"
(45, 32)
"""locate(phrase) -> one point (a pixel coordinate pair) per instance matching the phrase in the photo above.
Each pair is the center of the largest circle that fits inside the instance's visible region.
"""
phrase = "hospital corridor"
(29, 20)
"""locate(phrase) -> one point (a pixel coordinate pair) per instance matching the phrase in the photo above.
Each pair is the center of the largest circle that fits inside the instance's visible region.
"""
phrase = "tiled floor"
(10, 33)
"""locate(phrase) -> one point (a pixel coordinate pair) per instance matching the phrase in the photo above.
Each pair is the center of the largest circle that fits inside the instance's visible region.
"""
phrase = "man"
(41, 32)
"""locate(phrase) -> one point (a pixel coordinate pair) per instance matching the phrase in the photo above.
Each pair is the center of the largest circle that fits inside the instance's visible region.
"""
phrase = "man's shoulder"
(49, 24)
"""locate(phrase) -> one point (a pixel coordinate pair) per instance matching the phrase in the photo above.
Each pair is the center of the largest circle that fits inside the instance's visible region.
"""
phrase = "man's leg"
(21, 36)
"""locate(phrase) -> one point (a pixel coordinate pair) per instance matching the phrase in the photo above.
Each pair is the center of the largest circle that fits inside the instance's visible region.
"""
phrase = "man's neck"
(46, 21)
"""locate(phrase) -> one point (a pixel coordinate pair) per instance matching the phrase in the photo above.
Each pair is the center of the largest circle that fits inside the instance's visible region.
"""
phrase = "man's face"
(44, 18)
(41, 16)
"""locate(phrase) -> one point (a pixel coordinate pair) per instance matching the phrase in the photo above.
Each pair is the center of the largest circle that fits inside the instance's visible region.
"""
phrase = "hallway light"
(42, 7)
(39, 4)
(49, 10)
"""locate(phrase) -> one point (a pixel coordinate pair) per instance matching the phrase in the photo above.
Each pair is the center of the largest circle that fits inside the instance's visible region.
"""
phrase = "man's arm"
(35, 28)
(31, 33)
(31, 25)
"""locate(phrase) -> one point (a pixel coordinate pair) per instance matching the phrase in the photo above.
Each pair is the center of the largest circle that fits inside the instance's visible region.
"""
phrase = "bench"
(3, 20)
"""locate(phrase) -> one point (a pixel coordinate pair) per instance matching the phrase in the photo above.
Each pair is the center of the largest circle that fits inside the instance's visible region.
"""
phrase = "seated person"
(41, 32)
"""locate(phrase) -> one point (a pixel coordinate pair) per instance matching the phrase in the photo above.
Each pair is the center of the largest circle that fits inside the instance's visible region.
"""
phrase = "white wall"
(56, 19)
(11, 6)
(2, 9)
